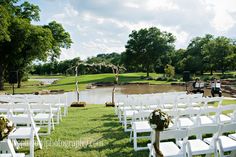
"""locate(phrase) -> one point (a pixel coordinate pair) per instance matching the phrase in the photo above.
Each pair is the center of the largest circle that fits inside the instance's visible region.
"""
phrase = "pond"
(101, 95)
(45, 81)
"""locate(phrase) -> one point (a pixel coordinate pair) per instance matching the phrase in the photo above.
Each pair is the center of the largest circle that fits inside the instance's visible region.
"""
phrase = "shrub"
(169, 71)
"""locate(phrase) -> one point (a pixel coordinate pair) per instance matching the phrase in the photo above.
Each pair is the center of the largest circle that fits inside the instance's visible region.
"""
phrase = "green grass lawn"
(93, 131)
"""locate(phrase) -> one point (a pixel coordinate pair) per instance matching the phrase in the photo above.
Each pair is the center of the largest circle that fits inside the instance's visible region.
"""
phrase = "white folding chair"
(53, 100)
(225, 143)
(182, 101)
(28, 132)
(206, 116)
(196, 101)
(184, 118)
(213, 102)
(168, 101)
(43, 116)
(140, 125)
(224, 115)
(198, 146)
(170, 149)
(5, 109)
(7, 149)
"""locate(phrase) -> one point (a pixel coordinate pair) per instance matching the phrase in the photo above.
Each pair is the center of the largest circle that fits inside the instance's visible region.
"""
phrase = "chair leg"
(32, 146)
(39, 142)
(135, 141)
(49, 126)
(131, 135)
(53, 125)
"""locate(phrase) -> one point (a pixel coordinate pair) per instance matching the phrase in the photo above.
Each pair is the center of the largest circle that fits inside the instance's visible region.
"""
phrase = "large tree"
(146, 46)
(21, 42)
(193, 60)
(220, 54)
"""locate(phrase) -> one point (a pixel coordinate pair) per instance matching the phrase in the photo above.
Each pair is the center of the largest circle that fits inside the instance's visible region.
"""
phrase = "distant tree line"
(150, 50)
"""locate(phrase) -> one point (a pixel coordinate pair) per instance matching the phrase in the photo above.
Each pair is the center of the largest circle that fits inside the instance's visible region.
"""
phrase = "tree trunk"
(211, 71)
(148, 71)
(223, 71)
(113, 94)
(201, 72)
(19, 80)
(1, 78)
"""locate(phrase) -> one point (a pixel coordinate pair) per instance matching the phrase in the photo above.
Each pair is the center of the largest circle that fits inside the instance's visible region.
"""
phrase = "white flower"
(5, 130)
(10, 124)
(156, 113)
(162, 118)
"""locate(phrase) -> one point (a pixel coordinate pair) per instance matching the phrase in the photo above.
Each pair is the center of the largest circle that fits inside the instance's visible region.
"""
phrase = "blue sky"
(103, 26)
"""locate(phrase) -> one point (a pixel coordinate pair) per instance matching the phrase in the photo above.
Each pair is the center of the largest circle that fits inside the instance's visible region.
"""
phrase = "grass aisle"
(91, 131)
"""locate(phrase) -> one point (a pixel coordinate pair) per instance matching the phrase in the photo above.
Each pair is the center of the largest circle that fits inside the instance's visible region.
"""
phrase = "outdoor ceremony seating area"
(31, 114)
(205, 118)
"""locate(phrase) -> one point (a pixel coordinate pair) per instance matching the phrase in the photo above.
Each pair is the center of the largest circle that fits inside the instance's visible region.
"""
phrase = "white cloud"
(223, 20)
(160, 5)
(131, 5)
(103, 26)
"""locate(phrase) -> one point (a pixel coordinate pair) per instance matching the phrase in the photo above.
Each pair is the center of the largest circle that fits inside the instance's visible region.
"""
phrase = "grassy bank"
(67, 83)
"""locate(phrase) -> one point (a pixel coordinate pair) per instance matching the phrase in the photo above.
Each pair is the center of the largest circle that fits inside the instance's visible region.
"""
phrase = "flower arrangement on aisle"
(6, 126)
(158, 121)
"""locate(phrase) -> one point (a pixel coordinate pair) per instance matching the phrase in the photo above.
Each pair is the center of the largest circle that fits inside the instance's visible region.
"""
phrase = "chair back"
(228, 128)
(173, 134)
(6, 147)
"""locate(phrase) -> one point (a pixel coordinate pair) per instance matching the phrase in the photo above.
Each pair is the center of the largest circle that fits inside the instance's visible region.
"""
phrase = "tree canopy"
(21, 42)
(146, 46)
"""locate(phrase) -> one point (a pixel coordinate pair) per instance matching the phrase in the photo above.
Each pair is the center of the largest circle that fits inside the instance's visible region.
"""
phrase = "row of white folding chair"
(218, 141)
(58, 101)
(139, 103)
(133, 104)
(53, 100)
(181, 119)
(42, 114)
(204, 116)
(190, 100)
(142, 100)
(181, 101)
(198, 146)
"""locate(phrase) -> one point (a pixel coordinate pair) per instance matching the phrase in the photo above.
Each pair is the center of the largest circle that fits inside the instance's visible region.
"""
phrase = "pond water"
(45, 81)
(101, 95)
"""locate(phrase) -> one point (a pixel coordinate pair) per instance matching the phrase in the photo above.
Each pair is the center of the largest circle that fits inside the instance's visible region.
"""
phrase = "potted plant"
(6, 126)
(158, 121)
